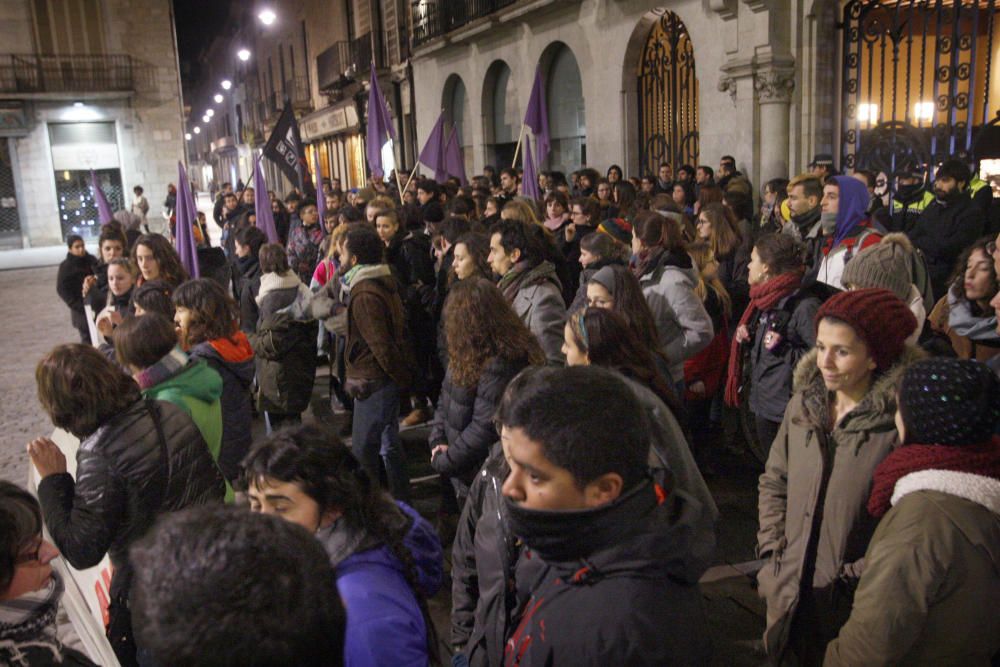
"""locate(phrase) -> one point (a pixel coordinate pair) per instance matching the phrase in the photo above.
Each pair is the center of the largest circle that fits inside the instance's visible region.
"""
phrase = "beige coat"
(804, 455)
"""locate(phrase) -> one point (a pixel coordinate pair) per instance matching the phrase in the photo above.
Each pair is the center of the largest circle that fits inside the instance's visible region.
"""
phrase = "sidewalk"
(30, 258)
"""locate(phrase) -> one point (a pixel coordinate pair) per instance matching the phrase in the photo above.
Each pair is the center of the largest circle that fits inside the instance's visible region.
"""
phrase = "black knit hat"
(949, 402)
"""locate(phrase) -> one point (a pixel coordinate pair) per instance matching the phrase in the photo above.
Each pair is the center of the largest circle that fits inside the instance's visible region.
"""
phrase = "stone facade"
(765, 70)
(147, 120)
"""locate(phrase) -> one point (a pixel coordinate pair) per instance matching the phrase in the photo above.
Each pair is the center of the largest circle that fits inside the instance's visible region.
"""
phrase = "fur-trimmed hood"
(881, 398)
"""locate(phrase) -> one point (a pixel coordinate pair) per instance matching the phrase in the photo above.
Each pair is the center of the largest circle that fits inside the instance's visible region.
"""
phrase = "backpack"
(920, 277)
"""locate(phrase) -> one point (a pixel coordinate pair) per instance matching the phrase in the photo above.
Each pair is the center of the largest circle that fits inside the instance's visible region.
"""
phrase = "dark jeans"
(767, 431)
(375, 434)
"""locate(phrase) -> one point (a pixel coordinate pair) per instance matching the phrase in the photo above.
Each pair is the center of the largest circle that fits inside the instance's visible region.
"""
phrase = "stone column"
(774, 92)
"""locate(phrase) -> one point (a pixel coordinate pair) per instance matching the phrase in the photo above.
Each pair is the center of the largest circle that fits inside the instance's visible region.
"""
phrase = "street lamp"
(187, 135)
(210, 113)
(218, 98)
(226, 84)
(267, 17)
(196, 130)
(243, 54)
(205, 118)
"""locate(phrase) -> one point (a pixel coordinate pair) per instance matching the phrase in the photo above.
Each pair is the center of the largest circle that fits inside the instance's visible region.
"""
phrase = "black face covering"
(909, 192)
(807, 219)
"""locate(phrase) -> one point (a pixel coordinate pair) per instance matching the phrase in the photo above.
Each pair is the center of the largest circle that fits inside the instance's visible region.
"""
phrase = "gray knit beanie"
(885, 265)
(605, 277)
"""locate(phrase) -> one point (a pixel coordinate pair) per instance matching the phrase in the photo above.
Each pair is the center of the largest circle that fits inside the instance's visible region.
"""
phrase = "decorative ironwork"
(10, 222)
(433, 18)
(668, 96)
(30, 73)
(916, 82)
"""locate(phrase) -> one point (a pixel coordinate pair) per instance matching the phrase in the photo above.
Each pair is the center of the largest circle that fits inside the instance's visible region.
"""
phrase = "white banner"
(87, 591)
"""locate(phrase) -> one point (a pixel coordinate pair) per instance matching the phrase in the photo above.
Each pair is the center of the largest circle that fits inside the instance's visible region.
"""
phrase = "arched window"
(455, 103)
(502, 115)
(567, 119)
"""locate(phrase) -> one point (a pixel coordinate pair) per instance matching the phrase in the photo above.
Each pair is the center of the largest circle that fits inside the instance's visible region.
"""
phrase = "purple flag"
(454, 162)
(185, 217)
(529, 180)
(380, 128)
(433, 154)
(320, 196)
(103, 207)
(537, 116)
(262, 206)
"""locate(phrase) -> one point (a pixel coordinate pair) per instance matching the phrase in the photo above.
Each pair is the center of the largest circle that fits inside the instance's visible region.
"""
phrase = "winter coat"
(376, 350)
(734, 271)
(464, 419)
(831, 269)
(245, 271)
(385, 625)
(983, 348)
(303, 248)
(771, 371)
(813, 471)
(126, 477)
(69, 281)
(284, 345)
(709, 366)
(540, 305)
(482, 568)
(233, 360)
(932, 578)
(942, 233)
(610, 586)
(681, 319)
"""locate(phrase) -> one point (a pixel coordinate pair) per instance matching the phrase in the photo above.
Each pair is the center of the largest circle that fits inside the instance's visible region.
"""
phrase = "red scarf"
(982, 459)
(763, 297)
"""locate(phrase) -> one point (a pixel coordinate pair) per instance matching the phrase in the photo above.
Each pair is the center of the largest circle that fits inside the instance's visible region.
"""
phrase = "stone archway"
(500, 115)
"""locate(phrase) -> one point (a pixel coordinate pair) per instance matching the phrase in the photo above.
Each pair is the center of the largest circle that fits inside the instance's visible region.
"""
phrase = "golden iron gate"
(668, 96)
(917, 85)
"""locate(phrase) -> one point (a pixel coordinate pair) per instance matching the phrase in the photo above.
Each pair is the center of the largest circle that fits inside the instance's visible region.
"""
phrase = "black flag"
(284, 148)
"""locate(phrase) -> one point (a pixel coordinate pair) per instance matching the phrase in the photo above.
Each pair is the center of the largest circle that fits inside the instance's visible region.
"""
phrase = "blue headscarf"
(853, 203)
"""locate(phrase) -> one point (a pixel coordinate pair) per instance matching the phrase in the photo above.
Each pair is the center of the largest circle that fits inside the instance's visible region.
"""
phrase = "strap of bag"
(154, 412)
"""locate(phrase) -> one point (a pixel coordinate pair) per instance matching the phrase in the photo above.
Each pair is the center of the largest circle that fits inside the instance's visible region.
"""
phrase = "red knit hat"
(878, 316)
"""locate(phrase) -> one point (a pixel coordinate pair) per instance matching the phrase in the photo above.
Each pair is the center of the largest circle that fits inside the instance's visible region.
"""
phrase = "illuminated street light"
(196, 130)
(266, 16)
(226, 84)
(187, 135)
(218, 98)
(205, 118)
(210, 113)
(243, 54)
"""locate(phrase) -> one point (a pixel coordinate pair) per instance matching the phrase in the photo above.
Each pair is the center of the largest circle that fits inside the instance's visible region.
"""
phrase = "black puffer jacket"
(285, 355)
(464, 419)
(236, 368)
(942, 232)
(126, 477)
(69, 281)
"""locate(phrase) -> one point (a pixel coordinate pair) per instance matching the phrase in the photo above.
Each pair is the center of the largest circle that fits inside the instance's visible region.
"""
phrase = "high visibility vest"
(917, 206)
(975, 185)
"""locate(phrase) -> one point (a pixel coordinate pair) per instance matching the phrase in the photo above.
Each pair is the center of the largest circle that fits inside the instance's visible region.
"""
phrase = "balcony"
(297, 92)
(349, 61)
(434, 18)
(37, 75)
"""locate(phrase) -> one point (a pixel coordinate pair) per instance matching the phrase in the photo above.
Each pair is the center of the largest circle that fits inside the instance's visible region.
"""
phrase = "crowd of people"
(577, 360)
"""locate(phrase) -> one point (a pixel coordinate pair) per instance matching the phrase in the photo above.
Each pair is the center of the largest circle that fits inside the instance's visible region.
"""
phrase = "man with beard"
(949, 224)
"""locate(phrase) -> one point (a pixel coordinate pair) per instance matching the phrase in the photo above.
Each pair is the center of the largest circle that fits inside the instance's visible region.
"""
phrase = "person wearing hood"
(609, 245)
(805, 198)
(949, 225)
(608, 559)
(964, 315)
(932, 570)
(379, 362)
(889, 265)
(283, 341)
(386, 557)
(529, 283)
(668, 277)
(73, 271)
(30, 590)
(838, 427)
(910, 199)
(147, 346)
(846, 229)
(207, 330)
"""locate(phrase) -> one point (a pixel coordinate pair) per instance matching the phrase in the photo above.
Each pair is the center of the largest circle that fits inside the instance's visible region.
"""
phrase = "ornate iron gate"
(668, 96)
(916, 82)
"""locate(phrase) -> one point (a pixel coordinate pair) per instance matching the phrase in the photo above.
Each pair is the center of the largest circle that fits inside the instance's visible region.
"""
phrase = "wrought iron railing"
(433, 18)
(297, 91)
(29, 73)
(347, 61)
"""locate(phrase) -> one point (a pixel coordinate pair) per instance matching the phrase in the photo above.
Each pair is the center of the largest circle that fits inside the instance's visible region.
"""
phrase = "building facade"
(85, 85)
(771, 82)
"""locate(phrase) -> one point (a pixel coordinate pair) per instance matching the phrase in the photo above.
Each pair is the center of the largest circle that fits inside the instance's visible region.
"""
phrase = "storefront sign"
(332, 120)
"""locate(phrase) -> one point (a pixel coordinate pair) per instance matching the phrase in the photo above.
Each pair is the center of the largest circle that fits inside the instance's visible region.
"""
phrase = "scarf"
(982, 459)
(272, 282)
(646, 260)
(965, 324)
(236, 348)
(31, 619)
(524, 274)
(554, 224)
(763, 297)
(168, 366)
(366, 272)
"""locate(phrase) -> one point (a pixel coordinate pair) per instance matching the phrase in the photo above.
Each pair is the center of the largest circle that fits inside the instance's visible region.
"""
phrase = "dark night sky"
(198, 23)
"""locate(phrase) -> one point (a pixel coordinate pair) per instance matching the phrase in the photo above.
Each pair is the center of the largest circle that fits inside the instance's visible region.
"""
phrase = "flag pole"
(520, 138)
(399, 183)
(414, 171)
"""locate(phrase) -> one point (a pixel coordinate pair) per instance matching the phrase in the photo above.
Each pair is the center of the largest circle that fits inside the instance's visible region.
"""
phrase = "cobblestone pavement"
(32, 321)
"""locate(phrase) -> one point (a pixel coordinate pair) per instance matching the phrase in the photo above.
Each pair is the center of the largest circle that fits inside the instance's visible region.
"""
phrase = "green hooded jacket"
(197, 389)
